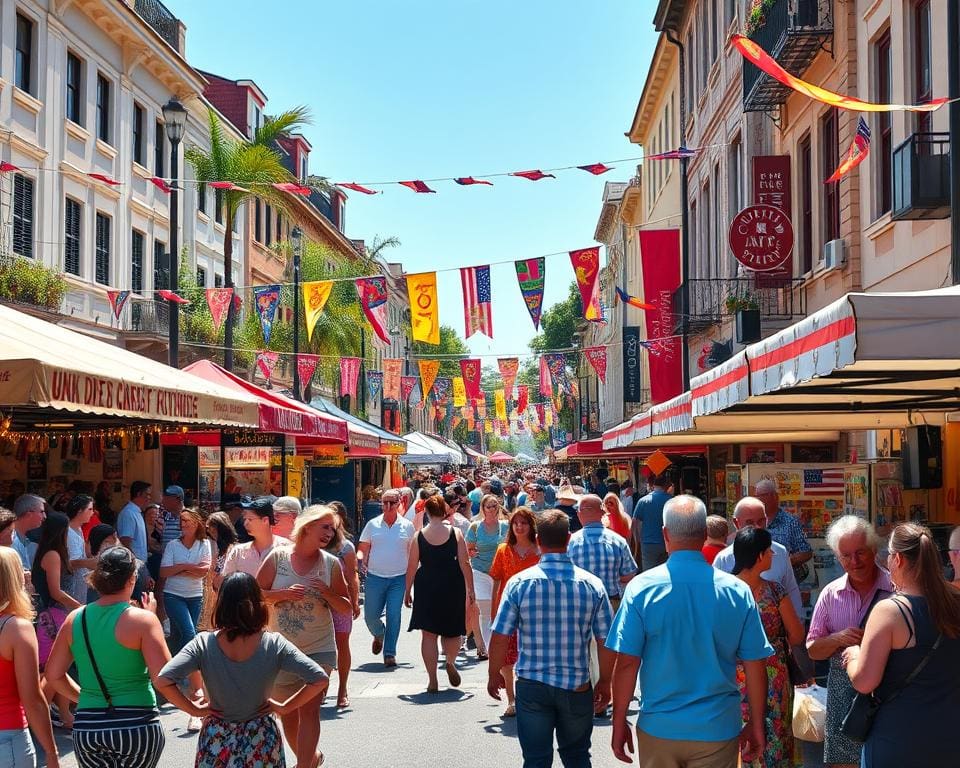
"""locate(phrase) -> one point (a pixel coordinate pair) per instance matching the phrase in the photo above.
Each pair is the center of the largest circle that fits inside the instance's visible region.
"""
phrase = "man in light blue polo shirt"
(689, 625)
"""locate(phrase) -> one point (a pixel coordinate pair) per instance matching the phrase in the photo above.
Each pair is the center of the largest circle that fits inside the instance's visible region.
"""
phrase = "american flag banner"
(476, 300)
(823, 482)
(857, 153)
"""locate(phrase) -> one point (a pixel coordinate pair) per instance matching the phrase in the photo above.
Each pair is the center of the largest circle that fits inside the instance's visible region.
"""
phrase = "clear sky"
(420, 90)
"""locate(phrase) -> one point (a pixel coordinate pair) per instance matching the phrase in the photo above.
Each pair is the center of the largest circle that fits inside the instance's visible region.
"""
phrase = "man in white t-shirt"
(384, 549)
(131, 527)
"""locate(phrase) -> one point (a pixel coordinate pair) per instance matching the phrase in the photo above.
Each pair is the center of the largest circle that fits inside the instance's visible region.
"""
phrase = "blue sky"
(420, 90)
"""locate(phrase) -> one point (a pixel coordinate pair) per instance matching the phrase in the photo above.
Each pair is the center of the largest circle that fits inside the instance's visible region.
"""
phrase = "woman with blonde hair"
(346, 553)
(305, 584)
(184, 567)
(909, 658)
(615, 517)
(22, 703)
(483, 537)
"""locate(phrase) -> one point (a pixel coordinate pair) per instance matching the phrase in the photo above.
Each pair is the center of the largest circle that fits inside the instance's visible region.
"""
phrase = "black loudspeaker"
(922, 455)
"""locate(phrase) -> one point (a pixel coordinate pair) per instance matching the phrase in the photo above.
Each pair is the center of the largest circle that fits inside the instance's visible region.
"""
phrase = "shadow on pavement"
(445, 696)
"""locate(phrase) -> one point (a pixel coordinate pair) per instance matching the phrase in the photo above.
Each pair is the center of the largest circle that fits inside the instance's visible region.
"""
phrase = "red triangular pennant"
(596, 169)
(171, 296)
(266, 362)
(416, 186)
(598, 359)
(6, 167)
(467, 181)
(227, 186)
(293, 189)
(357, 188)
(105, 179)
(533, 175)
(160, 184)
(306, 367)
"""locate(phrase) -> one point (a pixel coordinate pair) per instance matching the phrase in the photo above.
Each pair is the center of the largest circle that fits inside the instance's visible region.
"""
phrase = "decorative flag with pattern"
(470, 369)
(424, 309)
(557, 363)
(535, 175)
(459, 392)
(523, 397)
(266, 362)
(857, 153)
(595, 168)
(477, 316)
(392, 368)
(823, 482)
(374, 383)
(292, 189)
(266, 299)
(766, 63)
(442, 386)
(373, 300)
(406, 387)
(466, 181)
(161, 185)
(586, 267)
(117, 299)
(500, 404)
(218, 300)
(176, 298)
(416, 395)
(674, 154)
(598, 359)
(509, 366)
(315, 296)
(306, 367)
(633, 301)
(546, 383)
(531, 274)
(349, 371)
(428, 375)
(416, 186)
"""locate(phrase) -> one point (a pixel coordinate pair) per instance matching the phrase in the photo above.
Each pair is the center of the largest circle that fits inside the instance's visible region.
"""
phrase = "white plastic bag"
(809, 713)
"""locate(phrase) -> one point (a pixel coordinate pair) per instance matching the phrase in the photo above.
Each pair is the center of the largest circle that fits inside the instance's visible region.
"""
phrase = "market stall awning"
(499, 457)
(277, 413)
(44, 366)
(475, 454)
(426, 450)
(365, 439)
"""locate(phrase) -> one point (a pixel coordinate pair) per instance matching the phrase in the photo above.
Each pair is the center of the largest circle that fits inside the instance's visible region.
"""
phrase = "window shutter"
(23, 215)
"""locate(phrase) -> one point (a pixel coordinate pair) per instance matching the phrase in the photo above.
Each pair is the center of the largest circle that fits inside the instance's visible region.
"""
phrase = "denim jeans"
(384, 593)
(543, 710)
(184, 613)
(16, 749)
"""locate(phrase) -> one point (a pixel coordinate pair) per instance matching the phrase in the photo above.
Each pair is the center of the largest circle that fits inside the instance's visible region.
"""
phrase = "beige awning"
(44, 366)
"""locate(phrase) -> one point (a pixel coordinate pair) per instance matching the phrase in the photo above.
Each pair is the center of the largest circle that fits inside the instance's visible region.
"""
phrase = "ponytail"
(915, 543)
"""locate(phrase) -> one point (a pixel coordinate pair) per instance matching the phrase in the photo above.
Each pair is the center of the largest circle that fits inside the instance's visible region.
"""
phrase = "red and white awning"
(720, 387)
(672, 416)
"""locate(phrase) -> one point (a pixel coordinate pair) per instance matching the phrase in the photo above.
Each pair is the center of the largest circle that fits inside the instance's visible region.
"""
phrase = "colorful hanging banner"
(548, 415)
(488, 426)
(857, 153)
(557, 363)
(660, 260)
(374, 383)
(546, 383)
(266, 298)
(633, 301)
(531, 274)
(373, 300)
(117, 299)
(406, 387)
(306, 367)
(470, 369)
(766, 63)
(459, 391)
(315, 296)
(508, 372)
(523, 396)
(597, 356)
(176, 298)
(500, 404)
(541, 414)
(218, 301)
(477, 316)
(392, 368)
(586, 267)
(424, 309)
(428, 374)
(481, 408)
(266, 362)
(442, 387)
(416, 394)
(349, 372)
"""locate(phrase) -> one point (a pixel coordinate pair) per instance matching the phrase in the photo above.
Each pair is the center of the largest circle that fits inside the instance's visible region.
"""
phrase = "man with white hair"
(29, 514)
(784, 528)
(285, 512)
(683, 627)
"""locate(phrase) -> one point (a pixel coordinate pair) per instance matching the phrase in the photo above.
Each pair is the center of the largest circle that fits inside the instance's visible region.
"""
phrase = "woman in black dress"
(439, 571)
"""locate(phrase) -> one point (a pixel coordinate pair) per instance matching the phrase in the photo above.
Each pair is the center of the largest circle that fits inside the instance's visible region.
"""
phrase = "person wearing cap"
(233, 504)
(258, 521)
(171, 505)
(285, 511)
(567, 500)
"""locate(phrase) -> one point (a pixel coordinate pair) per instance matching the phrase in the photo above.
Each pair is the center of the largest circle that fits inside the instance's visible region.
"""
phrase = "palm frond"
(282, 125)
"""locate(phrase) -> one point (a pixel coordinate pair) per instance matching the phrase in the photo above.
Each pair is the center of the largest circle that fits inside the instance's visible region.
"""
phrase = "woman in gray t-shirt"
(239, 663)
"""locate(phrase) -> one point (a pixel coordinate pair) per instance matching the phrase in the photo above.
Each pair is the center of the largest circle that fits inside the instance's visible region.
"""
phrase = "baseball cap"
(174, 490)
(260, 504)
(236, 500)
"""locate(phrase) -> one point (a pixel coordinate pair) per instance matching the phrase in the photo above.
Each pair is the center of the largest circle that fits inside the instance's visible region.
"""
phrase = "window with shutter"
(102, 255)
(218, 281)
(136, 261)
(72, 212)
(161, 267)
(23, 215)
(103, 108)
(202, 198)
(257, 220)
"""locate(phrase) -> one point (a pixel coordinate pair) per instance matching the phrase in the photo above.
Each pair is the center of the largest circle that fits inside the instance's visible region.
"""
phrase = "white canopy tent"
(424, 446)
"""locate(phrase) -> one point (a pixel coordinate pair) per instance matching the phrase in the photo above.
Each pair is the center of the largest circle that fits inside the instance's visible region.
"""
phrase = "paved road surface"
(394, 723)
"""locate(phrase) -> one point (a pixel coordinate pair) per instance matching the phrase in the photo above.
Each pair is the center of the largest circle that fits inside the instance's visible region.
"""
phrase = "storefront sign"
(761, 238)
(253, 438)
(241, 458)
(209, 458)
(392, 447)
(771, 186)
(362, 443)
(631, 364)
(329, 456)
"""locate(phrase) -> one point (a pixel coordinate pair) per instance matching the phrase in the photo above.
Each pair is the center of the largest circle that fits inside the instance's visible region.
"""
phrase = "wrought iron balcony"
(921, 177)
(713, 299)
(150, 317)
(792, 32)
(158, 16)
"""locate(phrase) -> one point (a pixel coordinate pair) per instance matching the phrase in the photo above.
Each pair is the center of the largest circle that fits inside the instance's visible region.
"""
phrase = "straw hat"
(566, 493)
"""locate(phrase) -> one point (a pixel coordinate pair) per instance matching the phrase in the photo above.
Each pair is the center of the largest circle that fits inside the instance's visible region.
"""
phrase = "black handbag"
(863, 710)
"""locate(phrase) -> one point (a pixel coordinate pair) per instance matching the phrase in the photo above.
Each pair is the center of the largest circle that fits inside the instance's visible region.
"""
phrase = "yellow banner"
(315, 295)
(488, 426)
(428, 374)
(500, 402)
(548, 417)
(459, 392)
(424, 309)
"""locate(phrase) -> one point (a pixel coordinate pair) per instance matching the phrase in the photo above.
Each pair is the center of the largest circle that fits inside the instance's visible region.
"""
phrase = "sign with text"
(761, 238)
(660, 259)
(771, 186)
(631, 364)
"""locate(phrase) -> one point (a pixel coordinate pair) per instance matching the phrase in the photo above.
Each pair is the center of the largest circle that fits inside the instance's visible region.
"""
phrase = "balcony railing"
(792, 32)
(150, 317)
(921, 177)
(709, 297)
(158, 16)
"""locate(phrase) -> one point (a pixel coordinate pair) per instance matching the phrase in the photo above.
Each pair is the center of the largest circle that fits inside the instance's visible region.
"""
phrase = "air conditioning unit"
(834, 254)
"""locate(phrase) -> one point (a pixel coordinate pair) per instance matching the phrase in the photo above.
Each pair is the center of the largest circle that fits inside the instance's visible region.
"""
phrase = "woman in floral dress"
(753, 554)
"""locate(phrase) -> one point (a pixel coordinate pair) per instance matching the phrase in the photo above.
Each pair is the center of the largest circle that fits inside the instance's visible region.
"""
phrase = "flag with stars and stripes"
(476, 300)
(857, 153)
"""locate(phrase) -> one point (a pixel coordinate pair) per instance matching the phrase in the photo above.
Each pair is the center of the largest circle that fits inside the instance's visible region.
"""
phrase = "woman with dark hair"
(79, 510)
(223, 536)
(240, 663)
(118, 649)
(346, 553)
(753, 554)
(517, 553)
(439, 574)
(914, 634)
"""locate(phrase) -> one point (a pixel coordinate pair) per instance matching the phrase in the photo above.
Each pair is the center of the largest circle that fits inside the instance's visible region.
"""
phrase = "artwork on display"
(763, 454)
(37, 466)
(856, 491)
(112, 464)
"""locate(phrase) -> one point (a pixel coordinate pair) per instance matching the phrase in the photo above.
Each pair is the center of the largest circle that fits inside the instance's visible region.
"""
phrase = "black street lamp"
(296, 237)
(175, 123)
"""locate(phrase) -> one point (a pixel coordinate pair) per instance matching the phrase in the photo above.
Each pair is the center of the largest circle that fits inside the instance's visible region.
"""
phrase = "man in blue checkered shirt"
(785, 528)
(557, 609)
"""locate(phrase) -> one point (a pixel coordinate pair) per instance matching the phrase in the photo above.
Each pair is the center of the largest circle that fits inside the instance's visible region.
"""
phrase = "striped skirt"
(127, 737)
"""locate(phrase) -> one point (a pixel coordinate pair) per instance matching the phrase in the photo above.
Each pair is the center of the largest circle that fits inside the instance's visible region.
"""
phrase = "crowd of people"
(578, 596)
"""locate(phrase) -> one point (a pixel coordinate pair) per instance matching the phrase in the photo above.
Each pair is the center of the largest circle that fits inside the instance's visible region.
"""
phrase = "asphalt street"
(393, 722)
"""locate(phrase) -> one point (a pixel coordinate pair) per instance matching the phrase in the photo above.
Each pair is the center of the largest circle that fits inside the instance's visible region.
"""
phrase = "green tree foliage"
(450, 344)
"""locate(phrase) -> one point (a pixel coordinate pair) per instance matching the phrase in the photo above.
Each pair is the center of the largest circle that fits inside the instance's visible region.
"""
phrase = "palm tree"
(253, 166)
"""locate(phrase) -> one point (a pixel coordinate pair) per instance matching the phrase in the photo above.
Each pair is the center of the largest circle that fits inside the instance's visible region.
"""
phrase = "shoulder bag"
(93, 662)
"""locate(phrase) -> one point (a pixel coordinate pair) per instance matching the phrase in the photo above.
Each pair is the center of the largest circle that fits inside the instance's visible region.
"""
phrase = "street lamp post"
(297, 237)
(175, 123)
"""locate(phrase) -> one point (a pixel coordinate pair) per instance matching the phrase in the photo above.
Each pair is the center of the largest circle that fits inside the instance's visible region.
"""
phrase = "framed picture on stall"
(113, 464)
(763, 454)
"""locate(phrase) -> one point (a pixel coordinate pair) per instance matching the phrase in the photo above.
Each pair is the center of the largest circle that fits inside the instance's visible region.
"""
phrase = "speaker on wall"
(922, 455)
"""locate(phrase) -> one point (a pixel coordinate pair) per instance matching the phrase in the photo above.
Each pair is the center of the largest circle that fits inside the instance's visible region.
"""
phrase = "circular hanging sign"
(761, 237)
